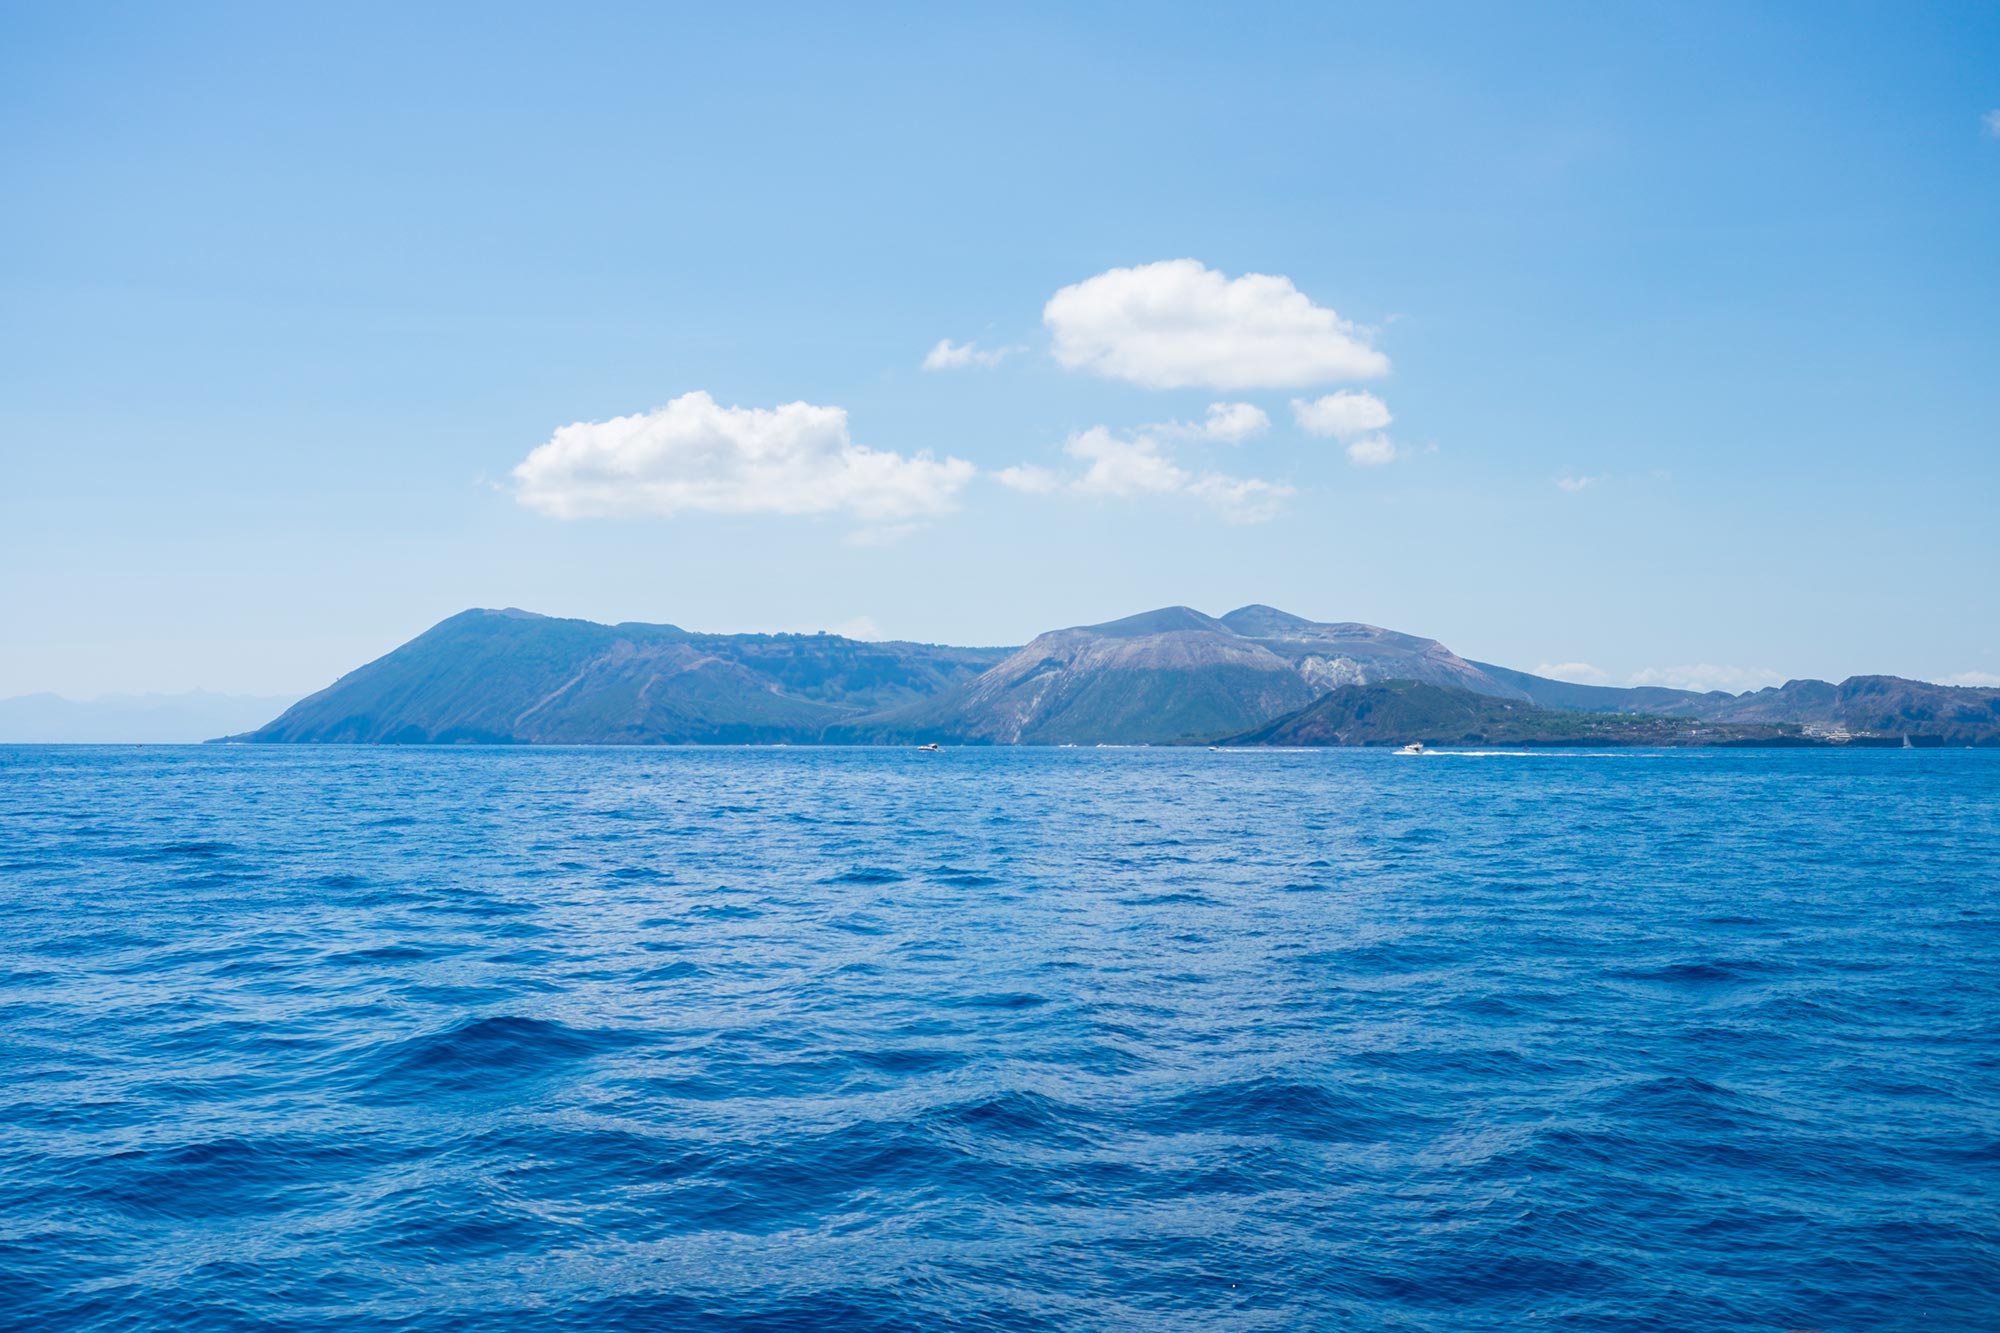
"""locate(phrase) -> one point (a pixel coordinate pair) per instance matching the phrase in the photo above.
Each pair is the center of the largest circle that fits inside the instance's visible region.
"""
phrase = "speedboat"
(931, 747)
(1414, 747)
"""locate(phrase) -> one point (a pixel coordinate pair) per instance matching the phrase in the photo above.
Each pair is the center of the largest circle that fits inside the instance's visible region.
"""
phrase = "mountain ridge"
(1172, 675)
(512, 677)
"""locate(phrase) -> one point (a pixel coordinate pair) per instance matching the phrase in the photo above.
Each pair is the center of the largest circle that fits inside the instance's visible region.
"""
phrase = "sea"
(470, 1039)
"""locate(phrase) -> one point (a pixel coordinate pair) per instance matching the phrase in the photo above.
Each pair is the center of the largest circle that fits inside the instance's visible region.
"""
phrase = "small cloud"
(695, 456)
(1979, 679)
(1122, 467)
(1372, 451)
(1241, 499)
(1992, 122)
(1029, 479)
(948, 355)
(1226, 423)
(1573, 484)
(1342, 414)
(1180, 324)
(1233, 423)
(1119, 467)
(880, 534)
(1706, 676)
(1576, 673)
(1345, 415)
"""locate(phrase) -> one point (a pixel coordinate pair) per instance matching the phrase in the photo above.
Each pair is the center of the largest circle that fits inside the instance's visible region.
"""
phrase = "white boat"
(1414, 747)
(931, 747)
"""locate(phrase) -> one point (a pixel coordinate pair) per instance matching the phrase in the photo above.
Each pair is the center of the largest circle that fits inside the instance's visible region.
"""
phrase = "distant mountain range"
(1173, 676)
(131, 719)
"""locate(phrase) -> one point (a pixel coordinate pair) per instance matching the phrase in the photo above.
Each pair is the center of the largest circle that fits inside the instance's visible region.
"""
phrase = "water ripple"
(467, 1039)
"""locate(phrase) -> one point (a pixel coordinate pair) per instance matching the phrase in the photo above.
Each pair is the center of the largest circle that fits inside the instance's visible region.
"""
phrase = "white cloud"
(1707, 676)
(1576, 673)
(1573, 484)
(880, 534)
(1981, 679)
(1346, 415)
(1226, 423)
(695, 456)
(1992, 122)
(1342, 414)
(1029, 479)
(1372, 451)
(1233, 423)
(948, 355)
(1120, 467)
(1241, 499)
(1179, 324)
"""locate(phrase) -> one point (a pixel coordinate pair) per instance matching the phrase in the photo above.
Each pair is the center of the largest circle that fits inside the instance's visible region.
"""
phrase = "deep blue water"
(370, 1039)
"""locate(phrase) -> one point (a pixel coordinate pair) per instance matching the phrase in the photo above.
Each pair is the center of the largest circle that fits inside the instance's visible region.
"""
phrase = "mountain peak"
(1258, 618)
(1165, 620)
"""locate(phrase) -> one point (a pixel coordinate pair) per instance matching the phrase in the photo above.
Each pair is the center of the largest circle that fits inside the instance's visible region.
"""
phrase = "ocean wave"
(471, 1040)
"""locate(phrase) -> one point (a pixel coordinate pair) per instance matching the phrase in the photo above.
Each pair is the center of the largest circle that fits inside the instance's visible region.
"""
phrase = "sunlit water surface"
(370, 1039)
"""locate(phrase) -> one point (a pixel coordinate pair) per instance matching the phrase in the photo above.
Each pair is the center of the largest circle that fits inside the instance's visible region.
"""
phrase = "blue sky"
(1688, 314)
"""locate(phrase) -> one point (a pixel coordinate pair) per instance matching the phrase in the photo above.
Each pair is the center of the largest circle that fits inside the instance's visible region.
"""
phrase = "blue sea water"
(485, 1039)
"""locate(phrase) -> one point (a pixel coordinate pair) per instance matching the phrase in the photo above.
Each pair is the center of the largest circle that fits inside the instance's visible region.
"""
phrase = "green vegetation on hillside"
(1401, 711)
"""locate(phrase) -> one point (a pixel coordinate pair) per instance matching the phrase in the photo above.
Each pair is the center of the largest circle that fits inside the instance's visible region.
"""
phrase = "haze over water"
(471, 1039)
